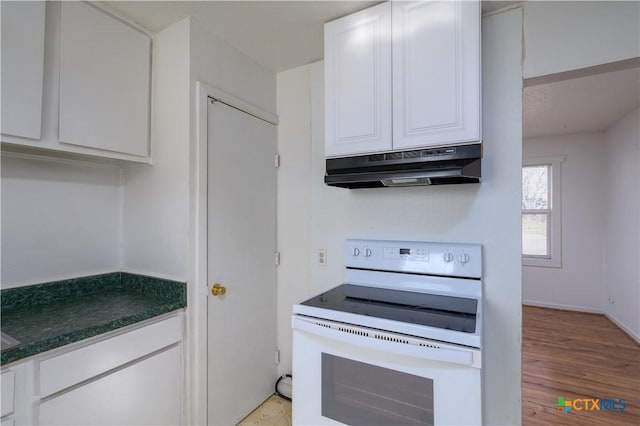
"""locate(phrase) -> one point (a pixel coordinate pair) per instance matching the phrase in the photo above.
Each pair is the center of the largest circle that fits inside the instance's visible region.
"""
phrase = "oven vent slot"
(392, 339)
(378, 335)
(429, 346)
(358, 332)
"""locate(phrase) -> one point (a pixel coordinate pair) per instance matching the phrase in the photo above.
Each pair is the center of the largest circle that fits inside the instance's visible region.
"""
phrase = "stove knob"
(367, 252)
(356, 251)
(447, 257)
(464, 258)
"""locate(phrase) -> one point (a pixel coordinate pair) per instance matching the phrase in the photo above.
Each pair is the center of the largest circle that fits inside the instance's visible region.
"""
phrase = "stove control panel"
(406, 253)
(448, 259)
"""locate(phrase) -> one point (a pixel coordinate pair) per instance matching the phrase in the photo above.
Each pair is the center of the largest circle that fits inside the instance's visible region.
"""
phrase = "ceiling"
(279, 35)
(580, 105)
(282, 35)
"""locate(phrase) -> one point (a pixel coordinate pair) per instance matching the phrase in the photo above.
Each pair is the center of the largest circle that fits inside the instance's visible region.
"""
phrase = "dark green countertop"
(46, 316)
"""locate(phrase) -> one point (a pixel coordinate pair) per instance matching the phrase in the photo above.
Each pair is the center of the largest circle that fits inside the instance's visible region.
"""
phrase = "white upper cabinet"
(403, 75)
(436, 73)
(75, 80)
(104, 81)
(22, 67)
(358, 82)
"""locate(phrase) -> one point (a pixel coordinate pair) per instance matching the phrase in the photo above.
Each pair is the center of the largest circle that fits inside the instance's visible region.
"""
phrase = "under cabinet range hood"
(427, 166)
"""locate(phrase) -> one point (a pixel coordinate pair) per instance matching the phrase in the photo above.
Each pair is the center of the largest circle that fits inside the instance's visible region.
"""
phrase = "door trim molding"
(196, 383)
(234, 102)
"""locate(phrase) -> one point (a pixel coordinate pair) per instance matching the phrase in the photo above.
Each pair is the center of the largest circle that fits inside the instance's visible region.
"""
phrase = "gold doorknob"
(218, 290)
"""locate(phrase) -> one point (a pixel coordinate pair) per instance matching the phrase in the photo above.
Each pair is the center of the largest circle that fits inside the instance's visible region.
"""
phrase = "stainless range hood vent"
(406, 182)
(434, 166)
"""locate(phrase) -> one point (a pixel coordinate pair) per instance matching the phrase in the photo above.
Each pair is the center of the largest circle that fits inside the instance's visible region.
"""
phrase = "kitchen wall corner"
(622, 223)
(488, 213)
(156, 198)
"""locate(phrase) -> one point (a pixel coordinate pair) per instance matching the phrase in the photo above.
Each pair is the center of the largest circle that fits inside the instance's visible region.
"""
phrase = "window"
(541, 214)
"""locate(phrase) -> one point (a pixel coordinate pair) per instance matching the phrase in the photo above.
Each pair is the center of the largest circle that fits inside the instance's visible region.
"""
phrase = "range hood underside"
(463, 165)
(404, 178)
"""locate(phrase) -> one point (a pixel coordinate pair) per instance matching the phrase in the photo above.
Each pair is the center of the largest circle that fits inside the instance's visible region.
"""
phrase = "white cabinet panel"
(85, 363)
(402, 75)
(136, 377)
(104, 81)
(22, 67)
(436, 73)
(7, 386)
(358, 82)
(146, 393)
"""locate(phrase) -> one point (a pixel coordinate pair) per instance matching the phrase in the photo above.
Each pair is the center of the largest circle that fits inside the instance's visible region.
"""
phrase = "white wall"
(622, 223)
(294, 200)
(217, 64)
(159, 201)
(578, 284)
(488, 213)
(60, 219)
(568, 35)
(156, 198)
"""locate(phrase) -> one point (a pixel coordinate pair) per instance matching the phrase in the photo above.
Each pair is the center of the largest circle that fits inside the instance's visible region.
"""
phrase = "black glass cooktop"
(448, 312)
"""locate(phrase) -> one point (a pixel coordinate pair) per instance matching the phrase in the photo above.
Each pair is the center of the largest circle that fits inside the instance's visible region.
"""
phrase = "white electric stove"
(399, 342)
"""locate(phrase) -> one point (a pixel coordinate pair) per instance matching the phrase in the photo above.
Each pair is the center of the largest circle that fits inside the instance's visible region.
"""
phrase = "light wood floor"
(577, 355)
(275, 411)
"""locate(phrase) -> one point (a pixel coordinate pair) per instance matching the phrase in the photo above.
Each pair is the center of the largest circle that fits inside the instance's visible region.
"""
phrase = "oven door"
(345, 375)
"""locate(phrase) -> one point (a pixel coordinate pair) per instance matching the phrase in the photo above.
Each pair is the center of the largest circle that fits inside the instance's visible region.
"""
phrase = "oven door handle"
(466, 357)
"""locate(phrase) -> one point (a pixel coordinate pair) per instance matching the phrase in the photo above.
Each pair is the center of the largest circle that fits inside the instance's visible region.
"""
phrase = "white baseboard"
(621, 326)
(624, 328)
(561, 306)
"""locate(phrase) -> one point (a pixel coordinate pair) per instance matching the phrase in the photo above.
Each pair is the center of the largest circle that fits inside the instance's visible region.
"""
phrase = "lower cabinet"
(146, 392)
(7, 383)
(133, 376)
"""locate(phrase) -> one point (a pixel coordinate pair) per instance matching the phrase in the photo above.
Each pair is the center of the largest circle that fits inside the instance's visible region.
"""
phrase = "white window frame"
(554, 260)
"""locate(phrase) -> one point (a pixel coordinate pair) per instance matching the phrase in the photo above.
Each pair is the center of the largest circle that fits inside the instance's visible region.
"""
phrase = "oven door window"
(356, 393)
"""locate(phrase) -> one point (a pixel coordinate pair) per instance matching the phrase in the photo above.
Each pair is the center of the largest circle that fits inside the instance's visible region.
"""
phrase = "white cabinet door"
(22, 67)
(436, 73)
(148, 392)
(68, 369)
(7, 386)
(104, 81)
(358, 82)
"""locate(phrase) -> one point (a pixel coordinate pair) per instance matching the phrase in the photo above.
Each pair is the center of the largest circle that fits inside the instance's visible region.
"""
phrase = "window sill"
(541, 263)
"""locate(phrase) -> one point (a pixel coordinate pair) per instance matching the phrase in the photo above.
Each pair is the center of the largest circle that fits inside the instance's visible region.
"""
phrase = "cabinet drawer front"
(145, 393)
(8, 380)
(82, 364)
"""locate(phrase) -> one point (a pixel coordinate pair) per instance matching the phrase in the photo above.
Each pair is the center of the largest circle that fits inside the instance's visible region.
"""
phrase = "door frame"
(198, 288)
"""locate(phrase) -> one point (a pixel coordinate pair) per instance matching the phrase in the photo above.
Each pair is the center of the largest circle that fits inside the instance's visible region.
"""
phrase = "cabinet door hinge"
(277, 357)
(276, 161)
(277, 258)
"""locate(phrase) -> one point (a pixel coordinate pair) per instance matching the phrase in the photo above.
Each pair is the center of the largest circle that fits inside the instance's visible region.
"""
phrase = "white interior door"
(241, 247)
